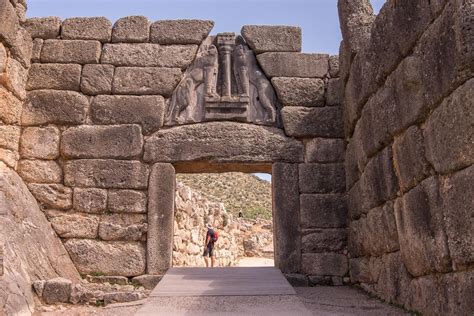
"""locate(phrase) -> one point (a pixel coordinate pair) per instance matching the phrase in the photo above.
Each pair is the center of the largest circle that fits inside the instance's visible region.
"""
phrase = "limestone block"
(360, 270)
(90, 200)
(325, 264)
(145, 80)
(160, 218)
(10, 23)
(36, 51)
(325, 150)
(56, 107)
(335, 93)
(10, 107)
(294, 65)
(74, 225)
(299, 91)
(286, 216)
(147, 281)
(105, 173)
(10, 137)
(148, 111)
(109, 258)
(97, 79)
(57, 290)
(449, 129)
(40, 171)
(131, 29)
(10, 158)
(22, 47)
(127, 201)
(180, 31)
(322, 178)
(323, 240)
(266, 38)
(323, 210)
(243, 143)
(313, 122)
(409, 158)
(73, 52)
(3, 58)
(14, 78)
(95, 28)
(48, 137)
(54, 76)
(54, 196)
(458, 198)
(423, 243)
(44, 28)
(334, 66)
(149, 55)
(114, 141)
(130, 227)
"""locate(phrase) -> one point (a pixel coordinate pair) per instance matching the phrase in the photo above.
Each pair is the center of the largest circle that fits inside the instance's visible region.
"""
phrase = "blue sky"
(317, 18)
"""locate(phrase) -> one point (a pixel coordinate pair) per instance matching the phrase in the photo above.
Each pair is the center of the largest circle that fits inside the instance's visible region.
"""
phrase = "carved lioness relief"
(224, 83)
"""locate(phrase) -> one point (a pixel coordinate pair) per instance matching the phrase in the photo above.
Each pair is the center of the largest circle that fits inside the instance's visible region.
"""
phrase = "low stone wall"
(408, 119)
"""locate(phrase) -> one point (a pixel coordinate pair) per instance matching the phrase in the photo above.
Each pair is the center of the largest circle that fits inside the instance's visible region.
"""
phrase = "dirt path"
(255, 262)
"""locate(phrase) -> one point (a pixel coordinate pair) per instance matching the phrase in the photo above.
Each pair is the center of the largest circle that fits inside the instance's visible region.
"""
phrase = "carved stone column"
(226, 43)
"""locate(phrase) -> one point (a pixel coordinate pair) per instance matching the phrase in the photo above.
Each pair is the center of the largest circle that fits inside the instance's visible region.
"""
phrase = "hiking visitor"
(211, 238)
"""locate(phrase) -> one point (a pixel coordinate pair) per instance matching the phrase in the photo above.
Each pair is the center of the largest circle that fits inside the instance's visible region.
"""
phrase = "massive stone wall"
(408, 113)
(96, 103)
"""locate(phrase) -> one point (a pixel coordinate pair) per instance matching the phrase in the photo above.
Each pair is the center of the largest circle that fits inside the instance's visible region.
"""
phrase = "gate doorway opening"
(237, 205)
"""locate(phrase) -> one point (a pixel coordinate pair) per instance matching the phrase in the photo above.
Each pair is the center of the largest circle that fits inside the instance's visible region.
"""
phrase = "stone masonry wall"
(408, 113)
(93, 128)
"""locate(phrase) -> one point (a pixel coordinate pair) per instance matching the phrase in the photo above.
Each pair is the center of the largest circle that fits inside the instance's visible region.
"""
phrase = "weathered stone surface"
(356, 19)
(325, 150)
(458, 199)
(334, 66)
(325, 264)
(149, 55)
(360, 270)
(127, 201)
(275, 38)
(95, 28)
(322, 178)
(109, 258)
(449, 129)
(180, 31)
(147, 281)
(57, 290)
(131, 29)
(54, 196)
(56, 107)
(115, 141)
(14, 78)
(31, 249)
(36, 51)
(147, 111)
(121, 280)
(423, 242)
(294, 65)
(161, 193)
(97, 79)
(104, 173)
(10, 158)
(45, 28)
(286, 214)
(313, 122)
(122, 297)
(90, 200)
(10, 137)
(130, 227)
(323, 240)
(54, 76)
(145, 80)
(48, 137)
(335, 92)
(3, 58)
(10, 107)
(243, 143)
(296, 279)
(40, 171)
(73, 52)
(323, 210)
(74, 225)
(299, 91)
(409, 158)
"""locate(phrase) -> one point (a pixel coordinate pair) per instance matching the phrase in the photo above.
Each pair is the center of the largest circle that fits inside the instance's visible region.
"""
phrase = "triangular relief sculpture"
(224, 83)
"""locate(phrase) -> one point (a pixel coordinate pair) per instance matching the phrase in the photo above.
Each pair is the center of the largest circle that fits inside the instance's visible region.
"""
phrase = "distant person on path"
(209, 246)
